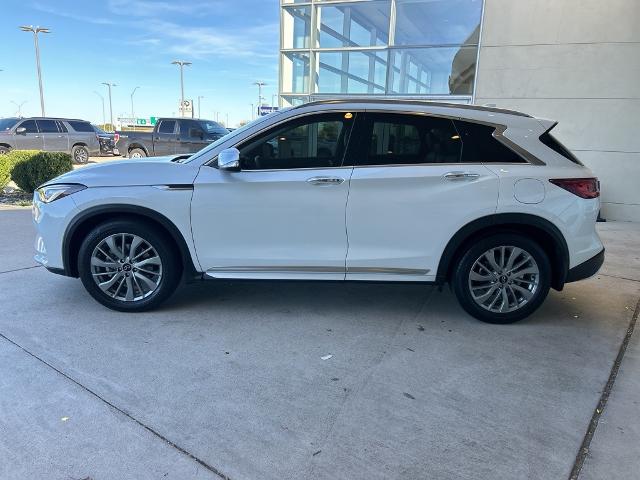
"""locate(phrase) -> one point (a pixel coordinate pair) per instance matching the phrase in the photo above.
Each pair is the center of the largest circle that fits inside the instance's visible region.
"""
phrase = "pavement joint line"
(20, 269)
(604, 397)
(618, 277)
(118, 409)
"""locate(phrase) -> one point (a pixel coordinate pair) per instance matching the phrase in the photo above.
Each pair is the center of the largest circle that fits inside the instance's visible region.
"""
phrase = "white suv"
(365, 190)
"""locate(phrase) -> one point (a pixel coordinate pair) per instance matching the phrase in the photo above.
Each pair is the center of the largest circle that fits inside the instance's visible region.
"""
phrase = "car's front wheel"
(502, 278)
(128, 266)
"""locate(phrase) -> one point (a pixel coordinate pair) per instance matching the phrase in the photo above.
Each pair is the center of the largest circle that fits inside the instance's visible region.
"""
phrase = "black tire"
(4, 150)
(137, 153)
(80, 154)
(461, 281)
(170, 268)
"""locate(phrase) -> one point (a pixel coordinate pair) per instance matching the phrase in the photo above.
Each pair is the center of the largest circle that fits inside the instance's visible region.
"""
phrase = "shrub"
(5, 170)
(32, 168)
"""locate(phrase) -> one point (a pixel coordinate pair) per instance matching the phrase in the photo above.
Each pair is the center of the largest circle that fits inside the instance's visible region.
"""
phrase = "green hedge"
(31, 168)
(6, 162)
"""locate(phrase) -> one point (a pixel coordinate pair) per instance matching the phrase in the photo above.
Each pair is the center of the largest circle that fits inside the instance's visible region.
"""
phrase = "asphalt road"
(229, 380)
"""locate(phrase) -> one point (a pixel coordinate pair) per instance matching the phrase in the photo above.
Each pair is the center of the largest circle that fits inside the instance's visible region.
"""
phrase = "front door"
(30, 139)
(191, 137)
(54, 139)
(283, 215)
(410, 192)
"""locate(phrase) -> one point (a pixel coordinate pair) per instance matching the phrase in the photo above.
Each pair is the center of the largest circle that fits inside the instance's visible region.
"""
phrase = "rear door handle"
(325, 181)
(461, 176)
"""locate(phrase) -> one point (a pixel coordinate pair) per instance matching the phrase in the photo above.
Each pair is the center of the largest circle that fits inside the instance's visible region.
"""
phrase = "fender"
(70, 269)
(559, 254)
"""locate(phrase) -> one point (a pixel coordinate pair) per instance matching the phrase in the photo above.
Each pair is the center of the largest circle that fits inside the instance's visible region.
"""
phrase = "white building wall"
(578, 62)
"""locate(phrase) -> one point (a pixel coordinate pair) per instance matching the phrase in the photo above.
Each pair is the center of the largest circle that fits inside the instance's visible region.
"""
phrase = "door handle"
(461, 176)
(325, 181)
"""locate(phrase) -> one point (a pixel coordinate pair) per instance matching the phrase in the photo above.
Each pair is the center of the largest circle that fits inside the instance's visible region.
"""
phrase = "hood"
(141, 171)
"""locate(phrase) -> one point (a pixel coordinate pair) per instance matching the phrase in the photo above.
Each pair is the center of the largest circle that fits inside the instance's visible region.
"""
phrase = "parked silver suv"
(76, 137)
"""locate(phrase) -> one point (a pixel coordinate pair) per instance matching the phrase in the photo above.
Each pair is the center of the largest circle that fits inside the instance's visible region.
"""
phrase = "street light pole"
(19, 105)
(199, 97)
(109, 85)
(36, 31)
(260, 84)
(104, 120)
(181, 64)
(133, 115)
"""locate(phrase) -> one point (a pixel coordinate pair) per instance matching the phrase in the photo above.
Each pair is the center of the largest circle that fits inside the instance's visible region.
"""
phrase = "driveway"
(272, 380)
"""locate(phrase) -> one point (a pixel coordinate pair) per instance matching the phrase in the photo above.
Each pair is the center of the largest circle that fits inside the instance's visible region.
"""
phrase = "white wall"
(578, 62)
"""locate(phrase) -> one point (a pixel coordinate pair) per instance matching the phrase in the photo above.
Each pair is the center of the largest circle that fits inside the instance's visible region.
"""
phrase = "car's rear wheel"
(502, 278)
(80, 154)
(128, 266)
(137, 153)
(4, 150)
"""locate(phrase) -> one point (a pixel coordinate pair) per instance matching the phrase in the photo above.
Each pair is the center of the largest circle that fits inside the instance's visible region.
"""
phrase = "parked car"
(408, 191)
(107, 141)
(170, 136)
(73, 136)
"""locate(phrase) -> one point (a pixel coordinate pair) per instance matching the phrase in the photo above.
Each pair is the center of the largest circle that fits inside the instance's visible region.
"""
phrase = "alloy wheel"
(503, 279)
(126, 267)
(80, 155)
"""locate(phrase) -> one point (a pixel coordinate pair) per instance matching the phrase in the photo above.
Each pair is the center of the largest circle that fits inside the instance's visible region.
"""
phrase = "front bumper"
(586, 269)
(50, 221)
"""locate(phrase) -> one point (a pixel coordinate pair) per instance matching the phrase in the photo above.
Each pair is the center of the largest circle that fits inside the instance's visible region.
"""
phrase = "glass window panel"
(293, 100)
(437, 22)
(362, 24)
(435, 71)
(296, 27)
(352, 72)
(295, 72)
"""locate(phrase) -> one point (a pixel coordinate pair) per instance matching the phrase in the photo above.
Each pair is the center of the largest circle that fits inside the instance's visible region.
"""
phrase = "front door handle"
(325, 181)
(461, 176)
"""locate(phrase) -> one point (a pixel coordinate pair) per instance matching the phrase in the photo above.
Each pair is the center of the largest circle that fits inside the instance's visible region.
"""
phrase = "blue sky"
(232, 43)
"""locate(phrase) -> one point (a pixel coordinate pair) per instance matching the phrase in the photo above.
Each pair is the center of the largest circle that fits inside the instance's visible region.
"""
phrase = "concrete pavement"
(228, 379)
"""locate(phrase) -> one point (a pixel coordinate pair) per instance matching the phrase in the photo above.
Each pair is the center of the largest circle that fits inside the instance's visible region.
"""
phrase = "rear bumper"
(586, 269)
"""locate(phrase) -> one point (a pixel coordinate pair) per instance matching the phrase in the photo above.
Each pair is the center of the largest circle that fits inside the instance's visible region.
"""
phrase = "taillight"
(582, 187)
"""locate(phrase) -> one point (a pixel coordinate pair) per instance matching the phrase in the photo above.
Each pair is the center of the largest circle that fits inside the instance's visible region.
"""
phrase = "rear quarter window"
(555, 145)
(84, 127)
(480, 146)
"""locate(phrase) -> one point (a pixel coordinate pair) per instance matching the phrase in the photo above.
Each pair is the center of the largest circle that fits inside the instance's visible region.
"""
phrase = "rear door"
(30, 139)
(164, 138)
(409, 194)
(54, 139)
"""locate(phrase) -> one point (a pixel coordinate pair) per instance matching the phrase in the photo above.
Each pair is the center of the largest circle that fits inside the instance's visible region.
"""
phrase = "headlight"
(49, 193)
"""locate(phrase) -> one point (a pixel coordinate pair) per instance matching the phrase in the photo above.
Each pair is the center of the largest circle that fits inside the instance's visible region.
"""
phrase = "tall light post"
(109, 85)
(36, 31)
(133, 115)
(19, 105)
(181, 64)
(199, 98)
(104, 120)
(260, 84)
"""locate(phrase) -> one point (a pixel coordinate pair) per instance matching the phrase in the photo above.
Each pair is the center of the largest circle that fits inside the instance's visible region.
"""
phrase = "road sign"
(186, 108)
(266, 110)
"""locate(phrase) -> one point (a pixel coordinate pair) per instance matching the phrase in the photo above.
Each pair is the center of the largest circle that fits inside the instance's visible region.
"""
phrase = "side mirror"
(21, 130)
(229, 160)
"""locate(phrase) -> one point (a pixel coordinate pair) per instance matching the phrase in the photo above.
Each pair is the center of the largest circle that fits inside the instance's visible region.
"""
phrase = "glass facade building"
(395, 48)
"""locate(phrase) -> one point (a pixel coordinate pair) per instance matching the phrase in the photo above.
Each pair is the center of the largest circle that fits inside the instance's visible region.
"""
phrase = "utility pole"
(19, 105)
(104, 120)
(199, 97)
(181, 64)
(36, 31)
(260, 84)
(109, 85)
(133, 115)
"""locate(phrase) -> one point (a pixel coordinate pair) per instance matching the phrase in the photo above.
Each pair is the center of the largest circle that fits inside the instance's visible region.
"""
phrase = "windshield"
(213, 127)
(236, 133)
(7, 123)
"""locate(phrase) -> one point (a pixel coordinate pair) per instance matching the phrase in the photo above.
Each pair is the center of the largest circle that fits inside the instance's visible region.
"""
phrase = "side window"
(190, 128)
(61, 127)
(84, 127)
(480, 146)
(395, 139)
(167, 126)
(312, 142)
(30, 125)
(47, 126)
